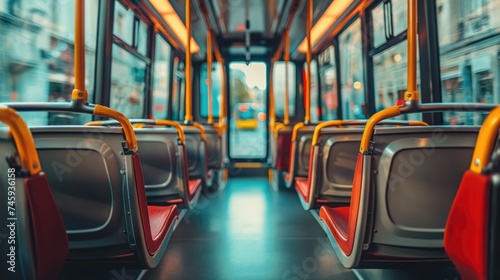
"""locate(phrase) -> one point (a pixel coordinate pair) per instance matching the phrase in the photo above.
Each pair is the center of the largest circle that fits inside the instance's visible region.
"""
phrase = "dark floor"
(249, 232)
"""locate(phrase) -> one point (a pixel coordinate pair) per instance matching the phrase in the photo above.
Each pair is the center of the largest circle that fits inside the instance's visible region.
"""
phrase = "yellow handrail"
(178, 127)
(79, 92)
(189, 94)
(22, 138)
(411, 93)
(128, 129)
(286, 118)
(307, 93)
(296, 128)
(202, 130)
(209, 76)
(272, 112)
(485, 141)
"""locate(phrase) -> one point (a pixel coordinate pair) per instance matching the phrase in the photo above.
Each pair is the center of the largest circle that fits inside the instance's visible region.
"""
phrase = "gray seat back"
(418, 171)
(337, 154)
(88, 178)
(196, 153)
(303, 151)
(160, 154)
(214, 148)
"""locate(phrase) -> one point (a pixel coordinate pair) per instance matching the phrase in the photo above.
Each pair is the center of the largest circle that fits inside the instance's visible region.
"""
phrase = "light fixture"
(397, 58)
(165, 9)
(334, 11)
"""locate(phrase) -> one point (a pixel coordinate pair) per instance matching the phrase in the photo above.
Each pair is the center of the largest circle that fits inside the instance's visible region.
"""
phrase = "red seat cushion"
(337, 220)
(342, 220)
(283, 163)
(50, 240)
(194, 186)
(301, 184)
(156, 220)
(466, 232)
(161, 218)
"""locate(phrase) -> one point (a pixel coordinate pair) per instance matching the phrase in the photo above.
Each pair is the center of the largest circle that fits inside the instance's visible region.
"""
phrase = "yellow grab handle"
(485, 141)
(177, 126)
(296, 130)
(277, 129)
(93, 123)
(23, 139)
(202, 130)
(372, 122)
(320, 126)
(128, 129)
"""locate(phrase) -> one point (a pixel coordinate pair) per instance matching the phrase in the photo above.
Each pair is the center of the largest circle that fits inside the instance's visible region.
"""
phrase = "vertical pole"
(307, 118)
(286, 119)
(189, 114)
(411, 92)
(209, 76)
(79, 93)
(272, 111)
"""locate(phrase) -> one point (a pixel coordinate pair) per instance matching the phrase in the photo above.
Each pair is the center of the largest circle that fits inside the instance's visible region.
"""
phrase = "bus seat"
(280, 154)
(401, 196)
(40, 236)
(164, 162)
(472, 226)
(331, 168)
(299, 155)
(101, 194)
(214, 148)
(196, 152)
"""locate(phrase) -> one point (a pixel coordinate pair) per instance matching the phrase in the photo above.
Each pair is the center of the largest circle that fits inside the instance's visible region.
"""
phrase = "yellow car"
(246, 117)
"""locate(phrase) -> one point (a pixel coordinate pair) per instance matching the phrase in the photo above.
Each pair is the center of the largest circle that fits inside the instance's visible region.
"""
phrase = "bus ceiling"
(249, 30)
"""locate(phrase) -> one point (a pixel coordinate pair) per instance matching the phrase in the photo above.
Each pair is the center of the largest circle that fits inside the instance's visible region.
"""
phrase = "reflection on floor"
(249, 232)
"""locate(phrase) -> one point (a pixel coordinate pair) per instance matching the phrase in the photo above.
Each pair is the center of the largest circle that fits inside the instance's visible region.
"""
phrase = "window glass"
(314, 89)
(378, 25)
(279, 79)
(127, 83)
(142, 38)
(389, 19)
(124, 23)
(248, 110)
(390, 78)
(36, 55)
(352, 74)
(328, 80)
(161, 78)
(178, 90)
(469, 55)
(216, 89)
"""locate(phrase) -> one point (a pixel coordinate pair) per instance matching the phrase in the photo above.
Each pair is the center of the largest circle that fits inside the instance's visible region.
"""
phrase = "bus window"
(36, 55)
(279, 88)
(390, 63)
(314, 89)
(248, 98)
(352, 73)
(178, 91)
(128, 70)
(328, 80)
(216, 89)
(161, 77)
(469, 72)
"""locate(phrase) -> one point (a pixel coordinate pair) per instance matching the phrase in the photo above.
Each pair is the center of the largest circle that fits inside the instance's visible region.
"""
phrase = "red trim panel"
(156, 220)
(284, 142)
(47, 227)
(336, 219)
(288, 177)
(466, 232)
(194, 186)
(343, 226)
(161, 219)
(302, 188)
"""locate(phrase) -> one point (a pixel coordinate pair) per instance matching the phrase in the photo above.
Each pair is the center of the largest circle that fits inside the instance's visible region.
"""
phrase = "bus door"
(247, 115)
